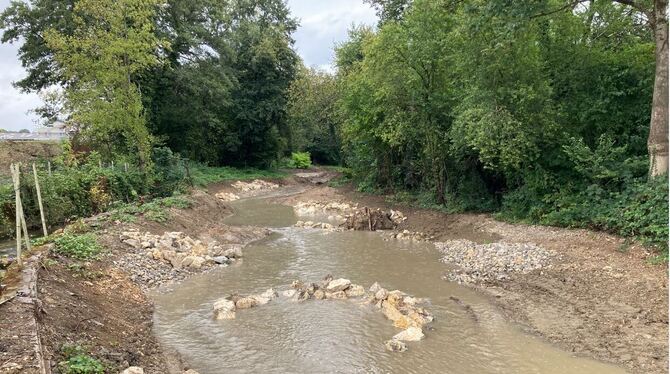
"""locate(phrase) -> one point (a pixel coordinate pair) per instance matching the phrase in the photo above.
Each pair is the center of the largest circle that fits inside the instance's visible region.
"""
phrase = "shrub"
(79, 246)
(78, 362)
(301, 160)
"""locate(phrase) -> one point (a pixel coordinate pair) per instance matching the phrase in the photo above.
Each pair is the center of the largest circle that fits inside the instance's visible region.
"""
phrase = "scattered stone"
(409, 235)
(395, 346)
(492, 262)
(411, 334)
(133, 370)
(289, 293)
(374, 288)
(381, 294)
(338, 285)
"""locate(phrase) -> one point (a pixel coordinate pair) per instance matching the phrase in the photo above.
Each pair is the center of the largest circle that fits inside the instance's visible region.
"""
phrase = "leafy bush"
(78, 362)
(301, 160)
(79, 246)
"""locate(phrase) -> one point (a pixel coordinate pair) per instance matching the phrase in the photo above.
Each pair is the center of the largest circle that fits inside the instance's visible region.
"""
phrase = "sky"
(322, 24)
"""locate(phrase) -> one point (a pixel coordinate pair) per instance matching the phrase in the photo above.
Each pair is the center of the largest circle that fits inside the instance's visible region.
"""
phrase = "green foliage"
(77, 361)
(155, 210)
(202, 175)
(110, 42)
(78, 246)
(301, 160)
(313, 120)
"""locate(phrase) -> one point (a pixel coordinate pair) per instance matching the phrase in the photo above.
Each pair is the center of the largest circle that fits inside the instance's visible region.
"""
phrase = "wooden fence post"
(26, 237)
(18, 217)
(39, 200)
(49, 167)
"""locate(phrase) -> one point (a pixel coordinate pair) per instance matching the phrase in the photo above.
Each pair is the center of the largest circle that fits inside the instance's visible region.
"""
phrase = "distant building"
(56, 132)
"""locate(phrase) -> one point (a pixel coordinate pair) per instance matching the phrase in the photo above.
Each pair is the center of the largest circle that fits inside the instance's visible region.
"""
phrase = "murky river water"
(342, 336)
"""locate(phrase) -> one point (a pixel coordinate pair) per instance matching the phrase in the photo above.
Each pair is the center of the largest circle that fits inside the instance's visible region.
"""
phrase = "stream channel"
(342, 336)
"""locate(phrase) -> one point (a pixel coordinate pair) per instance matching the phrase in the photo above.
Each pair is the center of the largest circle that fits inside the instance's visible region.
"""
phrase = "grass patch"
(202, 175)
(155, 210)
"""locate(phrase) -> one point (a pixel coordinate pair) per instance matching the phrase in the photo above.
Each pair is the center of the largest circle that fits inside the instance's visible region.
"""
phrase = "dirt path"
(601, 297)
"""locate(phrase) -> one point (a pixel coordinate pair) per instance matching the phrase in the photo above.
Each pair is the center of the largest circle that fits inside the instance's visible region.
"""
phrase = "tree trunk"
(658, 128)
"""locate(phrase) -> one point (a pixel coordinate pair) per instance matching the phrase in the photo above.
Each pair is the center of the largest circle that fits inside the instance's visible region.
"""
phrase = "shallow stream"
(337, 336)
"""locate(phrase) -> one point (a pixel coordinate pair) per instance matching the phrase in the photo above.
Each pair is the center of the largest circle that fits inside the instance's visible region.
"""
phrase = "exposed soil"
(22, 151)
(602, 299)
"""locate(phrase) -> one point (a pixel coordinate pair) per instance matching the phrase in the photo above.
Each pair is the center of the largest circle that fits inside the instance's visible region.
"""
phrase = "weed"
(79, 246)
(77, 361)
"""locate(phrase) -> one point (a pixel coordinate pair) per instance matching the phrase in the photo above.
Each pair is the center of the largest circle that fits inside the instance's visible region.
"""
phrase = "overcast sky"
(322, 24)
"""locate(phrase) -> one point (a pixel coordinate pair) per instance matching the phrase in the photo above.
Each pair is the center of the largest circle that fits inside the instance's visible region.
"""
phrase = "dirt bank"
(101, 305)
(11, 152)
(600, 298)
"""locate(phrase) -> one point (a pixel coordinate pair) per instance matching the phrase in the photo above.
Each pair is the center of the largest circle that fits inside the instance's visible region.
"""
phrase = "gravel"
(492, 262)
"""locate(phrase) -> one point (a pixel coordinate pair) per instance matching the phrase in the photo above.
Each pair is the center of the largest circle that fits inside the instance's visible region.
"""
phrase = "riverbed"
(342, 336)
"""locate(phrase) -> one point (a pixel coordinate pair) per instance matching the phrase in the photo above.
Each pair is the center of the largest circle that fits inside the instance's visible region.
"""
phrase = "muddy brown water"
(338, 336)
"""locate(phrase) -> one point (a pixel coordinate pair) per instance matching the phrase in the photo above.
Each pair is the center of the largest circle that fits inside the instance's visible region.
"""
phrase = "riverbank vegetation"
(536, 112)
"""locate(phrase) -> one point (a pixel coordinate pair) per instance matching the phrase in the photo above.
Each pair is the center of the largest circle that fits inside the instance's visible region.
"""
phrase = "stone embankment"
(172, 256)
(403, 310)
(494, 261)
(255, 185)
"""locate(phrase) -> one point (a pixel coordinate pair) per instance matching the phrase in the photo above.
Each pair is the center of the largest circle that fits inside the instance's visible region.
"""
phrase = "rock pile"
(492, 262)
(317, 225)
(317, 207)
(402, 309)
(409, 235)
(225, 308)
(180, 250)
(255, 185)
(373, 219)
(227, 196)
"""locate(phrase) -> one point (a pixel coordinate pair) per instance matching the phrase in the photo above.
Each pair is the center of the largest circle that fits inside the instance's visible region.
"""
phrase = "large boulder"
(224, 309)
(338, 285)
(411, 334)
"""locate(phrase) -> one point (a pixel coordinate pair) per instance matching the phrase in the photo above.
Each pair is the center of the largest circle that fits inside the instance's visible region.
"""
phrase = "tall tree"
(111, 42)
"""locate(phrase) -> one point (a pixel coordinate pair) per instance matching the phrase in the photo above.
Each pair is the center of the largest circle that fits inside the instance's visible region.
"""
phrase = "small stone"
(199, 249)
(338, 295)
(133, 243)
(220, 260)
(338, 285)
(224, 309)
(289, 293)
(197, 262)
(411, 334)
(381, 294)
(133, 370)
(395, 346)
(374, 288)
(319, 295)
(187, 261)
(233, 252)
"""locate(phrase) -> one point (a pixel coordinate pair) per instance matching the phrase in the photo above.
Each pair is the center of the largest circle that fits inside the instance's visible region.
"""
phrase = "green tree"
(111, 42)
(312, 116)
